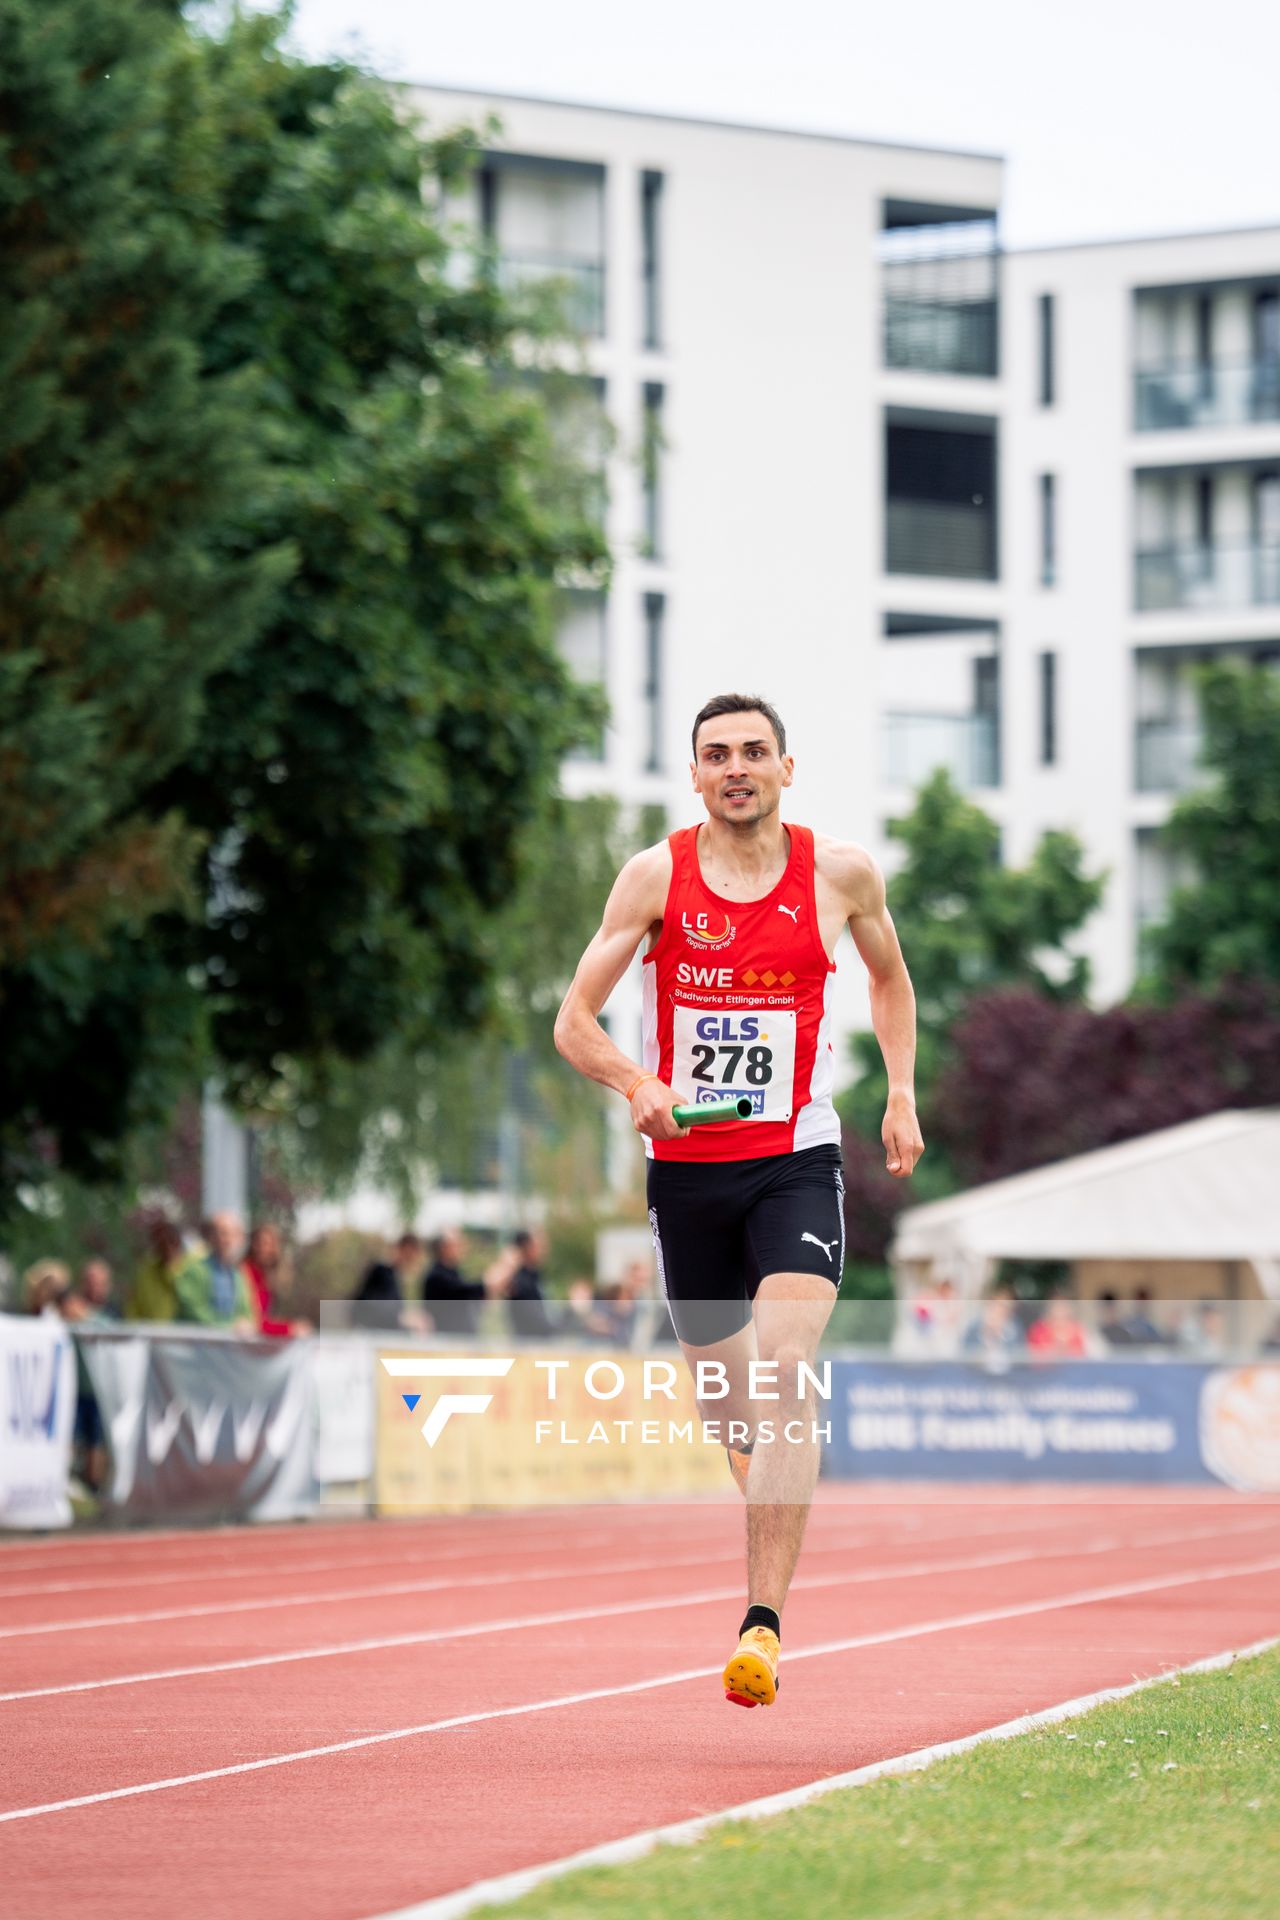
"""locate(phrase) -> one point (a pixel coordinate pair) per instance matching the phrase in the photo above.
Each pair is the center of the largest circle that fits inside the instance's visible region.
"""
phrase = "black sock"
(761, 1617)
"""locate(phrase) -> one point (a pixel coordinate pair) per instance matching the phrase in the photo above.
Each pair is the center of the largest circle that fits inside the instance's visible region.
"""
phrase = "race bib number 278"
(720, 1056)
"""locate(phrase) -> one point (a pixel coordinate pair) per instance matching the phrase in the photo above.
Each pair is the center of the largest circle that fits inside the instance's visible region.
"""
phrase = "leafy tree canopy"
(967, 924)
(1227, 920)
(284, 530)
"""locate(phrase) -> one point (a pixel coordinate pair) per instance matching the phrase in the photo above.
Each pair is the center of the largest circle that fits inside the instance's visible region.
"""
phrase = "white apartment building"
(943, 505)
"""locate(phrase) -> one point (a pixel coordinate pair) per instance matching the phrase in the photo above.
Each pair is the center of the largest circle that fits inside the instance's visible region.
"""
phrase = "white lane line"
(393, 1589)
(75, 1542)
(1091, 1596)
(401, 1588)
(634, 1846)
(495, 1549)
(658, 1604)
(243, 1541)
(862, 1576)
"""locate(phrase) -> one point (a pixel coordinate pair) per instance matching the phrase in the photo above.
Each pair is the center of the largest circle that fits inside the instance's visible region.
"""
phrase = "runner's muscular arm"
(634, 906)
(893, 1000)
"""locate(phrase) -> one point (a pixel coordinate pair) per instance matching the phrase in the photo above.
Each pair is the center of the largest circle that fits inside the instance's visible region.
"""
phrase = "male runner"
(742, 916)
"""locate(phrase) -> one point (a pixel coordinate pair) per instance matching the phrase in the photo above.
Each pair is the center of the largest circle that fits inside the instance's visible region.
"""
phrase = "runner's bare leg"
(735, 1355)
(791, 1312)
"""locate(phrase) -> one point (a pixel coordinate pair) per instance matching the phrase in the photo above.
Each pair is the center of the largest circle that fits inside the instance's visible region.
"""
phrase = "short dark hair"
(739, 703)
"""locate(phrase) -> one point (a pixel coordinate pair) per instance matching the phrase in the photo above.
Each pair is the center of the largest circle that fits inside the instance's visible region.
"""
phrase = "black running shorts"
(719, 1227)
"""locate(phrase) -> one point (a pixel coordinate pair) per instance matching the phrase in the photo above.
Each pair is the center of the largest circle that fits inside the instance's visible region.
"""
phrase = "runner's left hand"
(901, 1135)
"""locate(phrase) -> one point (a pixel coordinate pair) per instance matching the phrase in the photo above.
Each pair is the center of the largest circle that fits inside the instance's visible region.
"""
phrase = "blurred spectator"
(1111, 1326)
(95, 1294)
(929, 1324)
(391, 1279)
(528, 1309)
(584, 1318)
(265, 1265)
(451, 1299)
(1140, 1329)
(1203, 1333)
(214, 1288)
(91, 1306)
(154, 1295)
(1057, 1334)
(995, 1336)
(45, 1286)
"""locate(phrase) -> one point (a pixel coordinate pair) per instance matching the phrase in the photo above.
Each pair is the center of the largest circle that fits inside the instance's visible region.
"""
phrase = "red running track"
(348, 1719)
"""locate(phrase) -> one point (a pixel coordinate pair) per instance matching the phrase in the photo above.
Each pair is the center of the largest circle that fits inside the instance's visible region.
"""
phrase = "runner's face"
(738, 770)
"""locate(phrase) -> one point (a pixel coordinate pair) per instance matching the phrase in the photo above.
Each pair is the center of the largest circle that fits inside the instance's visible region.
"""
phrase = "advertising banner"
(458, 1430)
(37, 1414)
(1165, 1421)
(205, 1428)
(344, 1375)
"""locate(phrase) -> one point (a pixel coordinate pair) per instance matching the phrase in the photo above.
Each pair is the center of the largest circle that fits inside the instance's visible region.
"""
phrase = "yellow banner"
(536, 1429)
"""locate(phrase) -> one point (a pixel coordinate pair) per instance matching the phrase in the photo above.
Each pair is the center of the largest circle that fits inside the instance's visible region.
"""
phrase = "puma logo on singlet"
(793, 911)
(825, 1245)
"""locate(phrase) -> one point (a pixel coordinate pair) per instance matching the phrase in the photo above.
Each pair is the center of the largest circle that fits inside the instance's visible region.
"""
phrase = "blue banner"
(1166, 1421)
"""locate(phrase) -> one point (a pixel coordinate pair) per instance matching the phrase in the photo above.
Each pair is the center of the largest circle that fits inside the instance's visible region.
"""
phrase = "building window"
(651, 448)
(655, 613)
(1048, 530)
(940, 486)
(1204, 512)
(1048, 355)
(543, 222)
(651, 288)
(1048, 709)
(584, 649)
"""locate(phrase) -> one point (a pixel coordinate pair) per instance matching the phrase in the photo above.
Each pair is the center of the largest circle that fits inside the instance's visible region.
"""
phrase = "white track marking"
(1091, 1596)
(393, 1589)
(274, 1570)
(511, 1886)
(862, 1576)
(451, 1584)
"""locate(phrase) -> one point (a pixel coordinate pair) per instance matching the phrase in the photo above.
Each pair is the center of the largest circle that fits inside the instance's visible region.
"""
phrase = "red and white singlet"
(737, 1000)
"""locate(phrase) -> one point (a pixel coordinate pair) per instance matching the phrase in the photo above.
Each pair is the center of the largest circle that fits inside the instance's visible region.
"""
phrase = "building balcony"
(940, 538)
(940, 336)
(1219, 393)
(1209, 576)
(967, 745)
(580, 280)
(1167, 755)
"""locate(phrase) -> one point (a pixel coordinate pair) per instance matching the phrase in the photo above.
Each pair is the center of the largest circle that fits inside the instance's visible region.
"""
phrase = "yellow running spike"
(751, 1677)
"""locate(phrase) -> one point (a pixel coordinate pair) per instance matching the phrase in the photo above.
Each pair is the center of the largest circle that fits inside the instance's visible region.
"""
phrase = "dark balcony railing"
(1227, 573)
(941, 311)
(940, 336)
(1167, 754)
(582, 281)
(939, 538)
(1215, 393)
(915, 745)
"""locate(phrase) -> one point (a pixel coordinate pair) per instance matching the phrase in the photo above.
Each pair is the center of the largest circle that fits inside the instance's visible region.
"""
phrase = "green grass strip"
(1161, 1806)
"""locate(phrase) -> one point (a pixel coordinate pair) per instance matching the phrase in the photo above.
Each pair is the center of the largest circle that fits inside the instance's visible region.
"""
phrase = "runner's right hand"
(651, 1106)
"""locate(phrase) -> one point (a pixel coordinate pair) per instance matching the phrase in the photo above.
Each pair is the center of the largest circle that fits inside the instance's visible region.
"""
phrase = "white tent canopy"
(1207, 1190)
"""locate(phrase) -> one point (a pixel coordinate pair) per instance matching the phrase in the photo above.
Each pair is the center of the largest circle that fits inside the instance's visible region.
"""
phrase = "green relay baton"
(701, 1116)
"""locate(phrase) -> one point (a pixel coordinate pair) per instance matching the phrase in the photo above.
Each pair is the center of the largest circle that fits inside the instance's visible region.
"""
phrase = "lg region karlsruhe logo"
(448, 1403)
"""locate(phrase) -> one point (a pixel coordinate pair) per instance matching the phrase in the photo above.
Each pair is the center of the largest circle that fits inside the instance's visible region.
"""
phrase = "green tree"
(968, 924)
(125, 462)
(422, 1112)
(1227, 920)
(285, 532)
(367, 767)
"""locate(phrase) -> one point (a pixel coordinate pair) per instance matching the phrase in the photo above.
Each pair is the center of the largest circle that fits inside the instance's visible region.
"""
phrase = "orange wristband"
(630, 1094)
